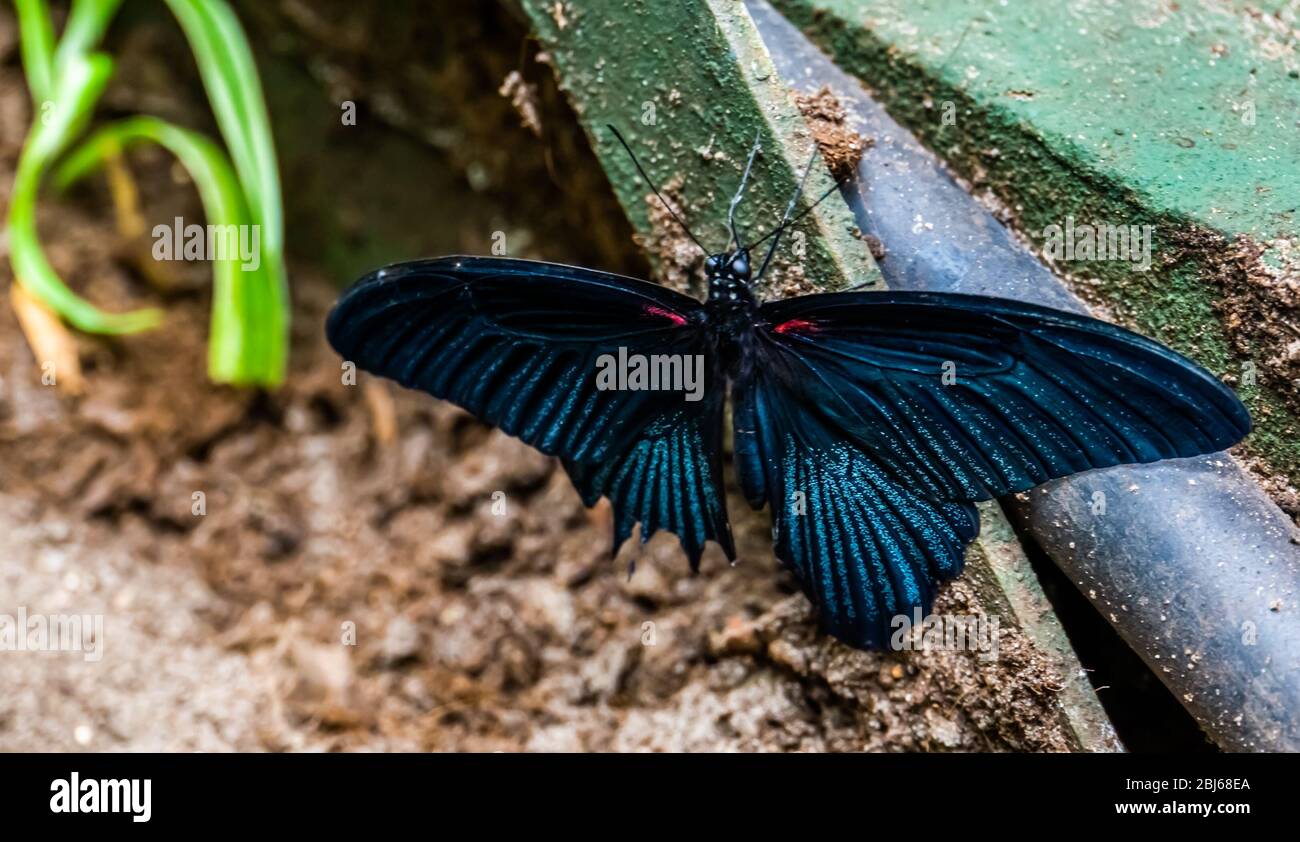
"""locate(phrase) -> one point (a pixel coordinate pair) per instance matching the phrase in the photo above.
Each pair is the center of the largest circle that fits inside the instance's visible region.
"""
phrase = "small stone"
(942, 729)
(788, 655)
(323, 673)
(495, 536)
(499, 464)
(451, 544)
(51, 560)
(124, 599)
(414, 690)
(737, 637)
(602, 674)
(401, 640)
(648, 581)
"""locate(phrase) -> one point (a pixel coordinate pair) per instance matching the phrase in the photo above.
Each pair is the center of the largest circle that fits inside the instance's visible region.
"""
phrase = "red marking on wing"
(676, 318)
(796, 325)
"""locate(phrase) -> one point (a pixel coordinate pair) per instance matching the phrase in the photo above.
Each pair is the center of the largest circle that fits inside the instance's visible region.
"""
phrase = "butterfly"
(870, 421)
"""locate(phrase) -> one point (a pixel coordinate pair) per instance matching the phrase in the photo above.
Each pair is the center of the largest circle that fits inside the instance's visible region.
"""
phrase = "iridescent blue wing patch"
(864, 547)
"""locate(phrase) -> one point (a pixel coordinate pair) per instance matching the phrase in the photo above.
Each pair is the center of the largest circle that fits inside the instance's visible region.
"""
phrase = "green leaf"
(248, 310)
(229, 74)
(250, 316)
(78, 85)
(87, 22)
(36, 32)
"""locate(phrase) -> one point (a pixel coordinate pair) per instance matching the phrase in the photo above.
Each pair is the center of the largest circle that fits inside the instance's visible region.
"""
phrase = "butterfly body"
(731, 309)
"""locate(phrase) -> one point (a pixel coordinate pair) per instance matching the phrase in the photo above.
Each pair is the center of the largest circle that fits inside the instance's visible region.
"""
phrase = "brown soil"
(840, 145)
(1260, 307)
(473, 631)
(339, 593)
(677, 262)
(1260, 304)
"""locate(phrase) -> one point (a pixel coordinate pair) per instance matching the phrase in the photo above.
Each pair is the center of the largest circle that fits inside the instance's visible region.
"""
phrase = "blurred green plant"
(248, 343)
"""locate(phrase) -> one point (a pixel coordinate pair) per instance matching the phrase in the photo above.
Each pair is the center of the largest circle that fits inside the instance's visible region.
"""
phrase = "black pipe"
(1189, 560)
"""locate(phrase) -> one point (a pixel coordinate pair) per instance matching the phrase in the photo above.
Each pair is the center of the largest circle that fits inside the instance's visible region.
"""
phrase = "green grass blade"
(225, 63)
(250, 319)
(79, 84)
(36, 32)
(230, 77)
(248, 307)
(87, 22)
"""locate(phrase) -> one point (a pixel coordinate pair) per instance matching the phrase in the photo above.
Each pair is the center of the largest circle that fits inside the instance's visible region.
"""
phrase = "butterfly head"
(729, 279)
(724, 268)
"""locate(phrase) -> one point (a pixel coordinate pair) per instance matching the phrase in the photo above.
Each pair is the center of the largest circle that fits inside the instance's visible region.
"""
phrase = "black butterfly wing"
(864, 547)
(893, 411)
(518, 343)
(1031, 393)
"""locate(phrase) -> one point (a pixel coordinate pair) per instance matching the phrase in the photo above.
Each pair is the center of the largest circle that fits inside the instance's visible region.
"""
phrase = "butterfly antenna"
(785, 218)
(740, 191)
(651, 185)
(823, 197)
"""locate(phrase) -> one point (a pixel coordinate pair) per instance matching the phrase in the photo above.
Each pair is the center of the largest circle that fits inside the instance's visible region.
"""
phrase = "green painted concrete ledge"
(1184, 116)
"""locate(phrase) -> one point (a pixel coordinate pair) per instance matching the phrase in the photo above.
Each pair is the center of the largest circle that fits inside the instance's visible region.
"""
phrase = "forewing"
(518, 343)
(966, 397)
